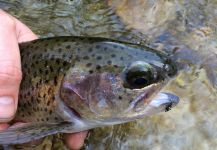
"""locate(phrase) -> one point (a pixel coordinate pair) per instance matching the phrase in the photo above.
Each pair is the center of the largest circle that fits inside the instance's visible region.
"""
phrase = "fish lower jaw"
(68, 115)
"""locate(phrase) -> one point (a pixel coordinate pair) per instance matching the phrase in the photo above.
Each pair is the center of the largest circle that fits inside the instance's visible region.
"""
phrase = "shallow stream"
(186, 29)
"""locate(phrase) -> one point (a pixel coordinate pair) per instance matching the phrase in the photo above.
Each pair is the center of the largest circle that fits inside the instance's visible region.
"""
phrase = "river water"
(184, 28)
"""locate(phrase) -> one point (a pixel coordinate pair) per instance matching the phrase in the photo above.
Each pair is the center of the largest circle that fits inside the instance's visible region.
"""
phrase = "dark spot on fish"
(25, 65)
(68, 47)
(65, 63)
(45, 109)
(105, 48)
(99, 57)
(34, 74)
(58, 61)
(70, 56)
(48, 103)
(98, 67)
(115, 46)
(88, 64)
(64, 55)
(113, 55)
(85, 57)
(98, 46)
(38, 100)
(90, 71)
(116, 66)
(120, 97)
(60, 50)
(40, 56)
(93, 55)
(46, 81)
(46, 56)
(45, 64)
(46, 72)
(56, 118)
(50, 112)
(24, 105)
(58, 44)
(46, 44)
(51, 69)
(109, 62)
(32, 65)
(121, 58)
(28, 71)
(52, 58)
(40, 71)
(65, 40)
(90, 50)
(55, 82)
(77, 58)
(33, 57)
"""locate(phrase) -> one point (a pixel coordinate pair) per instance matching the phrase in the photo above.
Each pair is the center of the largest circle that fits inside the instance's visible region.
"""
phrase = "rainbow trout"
(71, 84)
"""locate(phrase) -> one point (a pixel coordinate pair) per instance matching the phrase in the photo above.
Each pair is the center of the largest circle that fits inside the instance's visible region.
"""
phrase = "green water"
(186, 29)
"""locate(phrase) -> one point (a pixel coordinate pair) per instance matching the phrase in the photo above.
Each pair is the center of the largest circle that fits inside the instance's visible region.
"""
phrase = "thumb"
(10, 68)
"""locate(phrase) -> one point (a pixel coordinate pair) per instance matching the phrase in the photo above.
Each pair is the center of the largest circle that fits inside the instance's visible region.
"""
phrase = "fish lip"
(155, 106)
(146, 95)
(163, 102)
(165, 98)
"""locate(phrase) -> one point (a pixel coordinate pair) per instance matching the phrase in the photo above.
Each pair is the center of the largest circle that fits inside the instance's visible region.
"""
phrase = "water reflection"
(186, 29)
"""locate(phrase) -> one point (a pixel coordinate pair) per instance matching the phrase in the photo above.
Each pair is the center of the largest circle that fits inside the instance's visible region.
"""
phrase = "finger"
(12, 31)
(23, 32)
(75, 140)
(10, 68)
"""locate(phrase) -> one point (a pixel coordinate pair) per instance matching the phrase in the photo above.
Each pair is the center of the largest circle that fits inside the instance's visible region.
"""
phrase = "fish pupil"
(140, 81)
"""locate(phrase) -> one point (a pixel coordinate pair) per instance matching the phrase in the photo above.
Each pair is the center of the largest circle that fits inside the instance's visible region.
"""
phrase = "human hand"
(13, 32)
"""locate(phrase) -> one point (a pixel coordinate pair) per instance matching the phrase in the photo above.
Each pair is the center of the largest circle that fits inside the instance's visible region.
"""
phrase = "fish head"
(120, 88)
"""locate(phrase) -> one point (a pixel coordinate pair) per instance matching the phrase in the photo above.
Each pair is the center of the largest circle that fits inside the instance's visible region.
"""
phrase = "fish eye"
(138, 75)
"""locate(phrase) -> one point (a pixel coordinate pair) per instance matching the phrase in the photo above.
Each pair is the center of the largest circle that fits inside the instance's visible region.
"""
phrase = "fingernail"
(7, 108)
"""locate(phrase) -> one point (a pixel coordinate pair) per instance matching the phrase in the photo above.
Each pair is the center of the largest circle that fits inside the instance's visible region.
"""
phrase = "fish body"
(72, 84)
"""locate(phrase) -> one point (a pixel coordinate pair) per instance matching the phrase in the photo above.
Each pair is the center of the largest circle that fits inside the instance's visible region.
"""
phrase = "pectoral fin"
(31, 131)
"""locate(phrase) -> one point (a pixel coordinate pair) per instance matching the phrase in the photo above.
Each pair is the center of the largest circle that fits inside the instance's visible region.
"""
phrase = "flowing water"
(186, 29)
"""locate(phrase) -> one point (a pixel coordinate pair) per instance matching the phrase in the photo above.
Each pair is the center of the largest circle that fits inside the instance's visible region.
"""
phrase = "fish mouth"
(145, 97)
(162, 102)
(150, 102)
